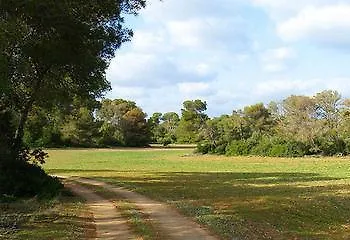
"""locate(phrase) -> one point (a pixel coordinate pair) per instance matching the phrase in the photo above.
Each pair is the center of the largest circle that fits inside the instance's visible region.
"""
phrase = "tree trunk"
(18, 139)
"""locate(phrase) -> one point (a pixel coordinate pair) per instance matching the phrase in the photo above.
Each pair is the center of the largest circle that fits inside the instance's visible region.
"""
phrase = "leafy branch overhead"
(53, 50)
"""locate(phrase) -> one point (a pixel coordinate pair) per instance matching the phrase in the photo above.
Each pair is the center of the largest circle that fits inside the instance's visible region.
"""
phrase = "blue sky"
(232, 53)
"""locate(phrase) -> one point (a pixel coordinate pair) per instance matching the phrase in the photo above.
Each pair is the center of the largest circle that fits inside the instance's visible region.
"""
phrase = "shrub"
(220, 148)
(22, 179)
(331, 144)
(263, 147)
(203, 147)
(238, 148)
(279, 150)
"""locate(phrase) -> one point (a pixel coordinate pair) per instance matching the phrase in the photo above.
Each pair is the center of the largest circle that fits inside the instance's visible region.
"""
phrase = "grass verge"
(61, 218)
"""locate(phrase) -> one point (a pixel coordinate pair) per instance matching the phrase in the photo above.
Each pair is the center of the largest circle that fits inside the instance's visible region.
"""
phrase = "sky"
(232, 53)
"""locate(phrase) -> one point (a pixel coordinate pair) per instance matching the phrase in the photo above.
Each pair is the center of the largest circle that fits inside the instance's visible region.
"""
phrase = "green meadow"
(234, 197)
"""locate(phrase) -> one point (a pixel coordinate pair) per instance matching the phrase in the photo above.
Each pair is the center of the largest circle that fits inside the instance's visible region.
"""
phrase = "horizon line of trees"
(296, 126)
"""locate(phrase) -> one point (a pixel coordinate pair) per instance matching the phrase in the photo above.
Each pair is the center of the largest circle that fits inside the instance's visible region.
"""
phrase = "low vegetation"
(63, 217)
(236, 197)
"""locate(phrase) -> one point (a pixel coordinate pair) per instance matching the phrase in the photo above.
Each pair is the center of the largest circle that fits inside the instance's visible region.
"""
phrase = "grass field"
(247, 198)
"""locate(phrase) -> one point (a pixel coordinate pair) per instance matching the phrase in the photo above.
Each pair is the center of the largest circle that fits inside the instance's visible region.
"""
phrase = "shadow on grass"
(45, 219)
(255, 205)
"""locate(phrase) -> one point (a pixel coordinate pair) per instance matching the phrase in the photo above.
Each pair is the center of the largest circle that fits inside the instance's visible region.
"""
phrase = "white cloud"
(150, 41)
(194, 89)
(209, 33)
(281, 53)
(274, 67)
(282, 88)
(181, 10)
(154, 71)
(327, 24)
(284, 9)
(316, 21)
(277, 59)
(188, 49)
(130, 93)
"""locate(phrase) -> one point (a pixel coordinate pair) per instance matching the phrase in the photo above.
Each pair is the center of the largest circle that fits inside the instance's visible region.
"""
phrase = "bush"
(238, 148)
(331, 145)
(22, 179)
(263, 147)
(220, 148)
(279, 150)
(204, 147)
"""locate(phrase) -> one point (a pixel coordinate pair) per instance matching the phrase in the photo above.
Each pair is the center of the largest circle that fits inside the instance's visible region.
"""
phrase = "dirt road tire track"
(109, 223)
(169, 221)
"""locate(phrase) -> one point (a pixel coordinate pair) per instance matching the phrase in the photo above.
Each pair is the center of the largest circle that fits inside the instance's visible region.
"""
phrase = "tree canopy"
(50, 53)
(54, 50)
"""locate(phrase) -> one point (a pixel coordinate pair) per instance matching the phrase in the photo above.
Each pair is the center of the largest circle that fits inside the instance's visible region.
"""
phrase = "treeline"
(88, 123)
(111, 123)
(296, 126)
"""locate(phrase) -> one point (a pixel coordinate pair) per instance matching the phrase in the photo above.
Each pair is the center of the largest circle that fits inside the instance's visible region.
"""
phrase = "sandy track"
(171, 224)
(109, 223)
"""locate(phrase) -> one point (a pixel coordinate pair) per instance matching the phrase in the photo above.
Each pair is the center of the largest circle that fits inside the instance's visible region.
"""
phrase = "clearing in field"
(241, 198)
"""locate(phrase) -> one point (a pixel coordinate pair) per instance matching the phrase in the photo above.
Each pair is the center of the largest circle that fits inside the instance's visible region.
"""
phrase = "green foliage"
(297, 126)
(192, 120)
(157, 131)
(258, 117)
(22, 179)
(43, 128)
(238, 148)
(134, 128)
(80, 128)
(123, 124)
(50, 53)
(331, 144)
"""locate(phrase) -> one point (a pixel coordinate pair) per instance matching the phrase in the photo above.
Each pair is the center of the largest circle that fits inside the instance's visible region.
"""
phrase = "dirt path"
(109, 223)
(168, 221)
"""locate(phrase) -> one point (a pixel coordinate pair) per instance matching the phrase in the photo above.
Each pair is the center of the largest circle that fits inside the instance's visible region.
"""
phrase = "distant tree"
(192, 119)
(154, 125)
(123, 123)
(169, 125)
(345, 124)
(110, 115)
(328, 105)
(300, 119)
(135, 129)
(258, 118)
(297, 126)
(79, 127)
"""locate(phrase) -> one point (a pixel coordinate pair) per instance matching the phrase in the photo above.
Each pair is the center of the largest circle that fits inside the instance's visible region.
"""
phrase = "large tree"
(123, 123)
(53, 50)
(192, 120)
